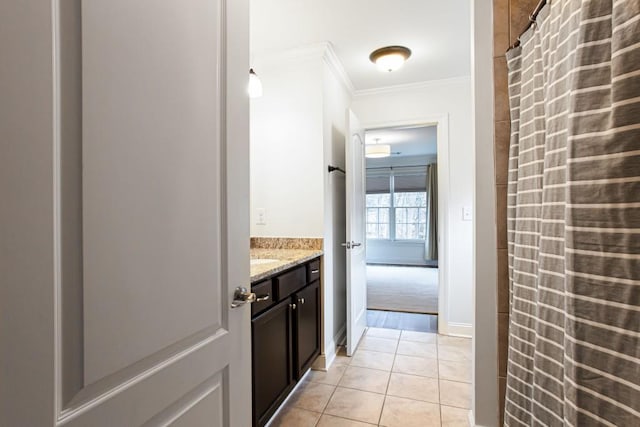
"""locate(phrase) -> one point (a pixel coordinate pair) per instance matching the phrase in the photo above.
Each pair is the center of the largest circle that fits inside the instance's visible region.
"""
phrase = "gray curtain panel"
(431, 243)
(574, 217)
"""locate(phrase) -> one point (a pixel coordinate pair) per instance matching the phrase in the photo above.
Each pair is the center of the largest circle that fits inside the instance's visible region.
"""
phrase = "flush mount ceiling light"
(377, 151)
(390, 58)
(255, 85)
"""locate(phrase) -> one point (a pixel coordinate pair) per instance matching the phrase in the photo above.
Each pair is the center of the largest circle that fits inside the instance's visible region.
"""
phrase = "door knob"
(351, 244)
(241, 296)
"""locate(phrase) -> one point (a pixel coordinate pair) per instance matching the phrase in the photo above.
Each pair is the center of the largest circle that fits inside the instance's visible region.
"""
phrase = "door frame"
(442, 124)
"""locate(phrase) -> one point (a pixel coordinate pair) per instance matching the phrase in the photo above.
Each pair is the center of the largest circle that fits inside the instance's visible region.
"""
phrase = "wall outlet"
(262, 216)
(466, 213)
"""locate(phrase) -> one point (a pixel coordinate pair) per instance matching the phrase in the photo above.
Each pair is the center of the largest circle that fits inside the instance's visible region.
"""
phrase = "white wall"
(433, 99)
(485, 343)
(287, 148)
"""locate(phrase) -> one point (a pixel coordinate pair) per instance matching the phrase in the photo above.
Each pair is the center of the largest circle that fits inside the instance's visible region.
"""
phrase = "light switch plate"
(466, 213)
(262, 216)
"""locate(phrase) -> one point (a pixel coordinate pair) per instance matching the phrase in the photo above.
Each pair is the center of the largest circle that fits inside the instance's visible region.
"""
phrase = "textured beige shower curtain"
(574, 217)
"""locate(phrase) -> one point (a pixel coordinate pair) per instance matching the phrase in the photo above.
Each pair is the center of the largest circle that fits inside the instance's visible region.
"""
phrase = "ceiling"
(438, 33)
(408, 141)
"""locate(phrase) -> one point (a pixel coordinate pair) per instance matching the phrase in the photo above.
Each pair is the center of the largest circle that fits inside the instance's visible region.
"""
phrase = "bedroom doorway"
(402, 227)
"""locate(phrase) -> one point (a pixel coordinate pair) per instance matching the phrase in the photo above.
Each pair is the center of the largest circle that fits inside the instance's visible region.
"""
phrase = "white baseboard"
(324, 361)
(456, 329)
(472, 422)
(341, 336)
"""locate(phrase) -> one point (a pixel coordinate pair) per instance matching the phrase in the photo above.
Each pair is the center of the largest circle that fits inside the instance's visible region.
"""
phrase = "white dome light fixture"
(377, 151)
(390, 58)
(255, 85)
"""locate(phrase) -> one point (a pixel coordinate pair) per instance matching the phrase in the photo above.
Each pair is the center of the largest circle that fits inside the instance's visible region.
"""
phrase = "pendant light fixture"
(377, 151)
(255, 85)
(390, 58)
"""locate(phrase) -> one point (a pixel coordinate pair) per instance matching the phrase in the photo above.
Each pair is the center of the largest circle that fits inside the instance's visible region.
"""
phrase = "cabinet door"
(307, 327)
(271, 334)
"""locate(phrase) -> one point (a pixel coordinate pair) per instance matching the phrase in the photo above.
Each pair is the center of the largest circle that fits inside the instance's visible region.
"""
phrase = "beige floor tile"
(365, 379)
(400, 412)
(356, 405)
(415, 348)
(454, 353)
(384, 333)
(373, 360)
(456, 394)
(454, 341)
(331, 376)
(454, 417)
(295, 417)
(383, 345)
(416, 366)
(414, 387)
(312, 396)
(455, 371)
(341, 360)
(418, 336)
(331, 421)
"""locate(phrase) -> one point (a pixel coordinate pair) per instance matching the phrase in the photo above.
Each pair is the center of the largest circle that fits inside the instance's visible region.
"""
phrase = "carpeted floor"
(409, 289)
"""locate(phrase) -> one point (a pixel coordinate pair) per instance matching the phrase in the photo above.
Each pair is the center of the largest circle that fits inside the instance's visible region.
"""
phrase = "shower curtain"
(431, 242)
(574, 217)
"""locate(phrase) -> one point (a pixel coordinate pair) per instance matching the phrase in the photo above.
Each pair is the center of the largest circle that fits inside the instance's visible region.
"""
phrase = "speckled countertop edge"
(286, 258)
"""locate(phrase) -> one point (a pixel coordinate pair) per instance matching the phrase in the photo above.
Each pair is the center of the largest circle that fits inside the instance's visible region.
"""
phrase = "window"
(396, 204)
(378, 207)
(411, 215)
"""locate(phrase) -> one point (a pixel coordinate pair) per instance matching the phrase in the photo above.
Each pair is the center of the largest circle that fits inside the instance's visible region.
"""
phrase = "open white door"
(126, 192)
(355, 241)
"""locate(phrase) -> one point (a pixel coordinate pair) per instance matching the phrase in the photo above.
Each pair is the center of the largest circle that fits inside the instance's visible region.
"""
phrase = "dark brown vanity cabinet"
(285, 336)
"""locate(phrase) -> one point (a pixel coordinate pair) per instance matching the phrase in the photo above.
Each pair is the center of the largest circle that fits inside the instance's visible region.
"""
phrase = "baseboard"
(341, 336)
(324, 361)
(456, 329)
(472, 421)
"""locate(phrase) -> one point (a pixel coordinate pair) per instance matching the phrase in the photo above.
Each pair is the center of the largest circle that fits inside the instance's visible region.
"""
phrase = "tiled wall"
(510, 17)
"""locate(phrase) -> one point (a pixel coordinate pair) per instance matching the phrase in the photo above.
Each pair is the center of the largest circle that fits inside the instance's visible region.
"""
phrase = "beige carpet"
(410, 289)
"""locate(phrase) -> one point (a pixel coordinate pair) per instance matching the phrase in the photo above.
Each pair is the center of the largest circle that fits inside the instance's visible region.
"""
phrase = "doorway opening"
(402, 227)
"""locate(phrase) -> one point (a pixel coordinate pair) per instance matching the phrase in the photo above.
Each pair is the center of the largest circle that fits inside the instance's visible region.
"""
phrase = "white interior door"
(355, 242)
(120, 287)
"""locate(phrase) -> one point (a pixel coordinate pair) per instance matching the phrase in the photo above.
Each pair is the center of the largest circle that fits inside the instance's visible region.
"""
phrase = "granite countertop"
(282, 260)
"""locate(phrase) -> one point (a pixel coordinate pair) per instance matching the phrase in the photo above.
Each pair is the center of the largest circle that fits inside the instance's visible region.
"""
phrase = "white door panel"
(142, 236)
(356, 248)
(151, 178)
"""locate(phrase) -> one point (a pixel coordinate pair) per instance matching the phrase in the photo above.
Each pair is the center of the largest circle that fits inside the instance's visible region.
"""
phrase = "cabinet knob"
(316, 271)
(293, 306)
(301, 300)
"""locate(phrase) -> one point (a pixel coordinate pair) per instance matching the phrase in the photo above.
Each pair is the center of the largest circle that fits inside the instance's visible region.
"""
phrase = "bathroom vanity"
(285, 325)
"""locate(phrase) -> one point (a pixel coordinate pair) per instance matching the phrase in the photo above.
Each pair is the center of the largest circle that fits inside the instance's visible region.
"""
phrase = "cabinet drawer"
(262, 289)
(288, 283)
(313, 271)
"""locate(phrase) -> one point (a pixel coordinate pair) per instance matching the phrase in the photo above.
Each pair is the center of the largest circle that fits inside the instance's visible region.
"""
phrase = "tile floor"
(395, 378)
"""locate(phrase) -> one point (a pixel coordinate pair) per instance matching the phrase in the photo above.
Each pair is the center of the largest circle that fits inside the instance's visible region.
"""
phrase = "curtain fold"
(574, 217)
(431, 241)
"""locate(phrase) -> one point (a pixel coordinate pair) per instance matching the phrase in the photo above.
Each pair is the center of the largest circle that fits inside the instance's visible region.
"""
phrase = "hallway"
(396, 378)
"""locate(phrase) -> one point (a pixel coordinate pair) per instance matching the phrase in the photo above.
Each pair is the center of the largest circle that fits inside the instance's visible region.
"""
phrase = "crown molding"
(410, 86)
(334, 63)
(321, 50)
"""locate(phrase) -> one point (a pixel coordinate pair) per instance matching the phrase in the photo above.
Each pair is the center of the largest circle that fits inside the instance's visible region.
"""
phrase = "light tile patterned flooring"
(395, 378)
